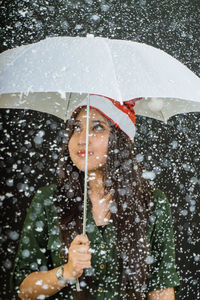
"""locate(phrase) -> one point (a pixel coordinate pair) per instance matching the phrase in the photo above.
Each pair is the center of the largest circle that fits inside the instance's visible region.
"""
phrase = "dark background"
(30, 141)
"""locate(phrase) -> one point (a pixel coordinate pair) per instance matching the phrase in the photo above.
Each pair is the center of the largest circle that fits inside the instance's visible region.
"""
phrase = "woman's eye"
(98, 127)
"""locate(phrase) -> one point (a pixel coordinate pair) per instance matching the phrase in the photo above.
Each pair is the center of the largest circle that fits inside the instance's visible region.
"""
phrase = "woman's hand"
(79, 257)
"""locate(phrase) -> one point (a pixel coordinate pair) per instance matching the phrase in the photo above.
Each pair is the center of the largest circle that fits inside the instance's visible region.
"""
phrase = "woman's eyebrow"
(99, 121)
(93, 121)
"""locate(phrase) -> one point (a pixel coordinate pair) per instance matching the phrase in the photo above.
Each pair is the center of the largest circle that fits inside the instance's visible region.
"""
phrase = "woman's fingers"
(79, 256)
(78, 265)
(84, 258)
(85, 265)
(80, 248)
(80, 239)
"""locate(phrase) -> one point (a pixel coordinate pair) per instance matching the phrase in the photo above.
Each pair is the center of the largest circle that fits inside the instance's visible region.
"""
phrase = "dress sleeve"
(162, 256)
(32, 254)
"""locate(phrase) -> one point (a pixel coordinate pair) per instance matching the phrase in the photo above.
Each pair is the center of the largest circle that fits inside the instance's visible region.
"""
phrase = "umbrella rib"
(67, 104)
(115, 76)
(18, 55)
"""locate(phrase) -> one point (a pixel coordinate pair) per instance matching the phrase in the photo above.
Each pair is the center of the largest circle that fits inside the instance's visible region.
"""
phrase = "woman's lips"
(82, 153)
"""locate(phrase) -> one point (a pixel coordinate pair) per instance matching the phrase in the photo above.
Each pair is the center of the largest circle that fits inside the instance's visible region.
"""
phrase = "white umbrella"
(57, 69)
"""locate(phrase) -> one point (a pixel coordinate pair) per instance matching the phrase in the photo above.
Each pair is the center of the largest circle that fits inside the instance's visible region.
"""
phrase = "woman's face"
(99, 130)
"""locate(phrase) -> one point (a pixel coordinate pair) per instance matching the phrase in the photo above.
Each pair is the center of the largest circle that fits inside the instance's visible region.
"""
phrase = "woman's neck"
(96, 185)
(100, 201)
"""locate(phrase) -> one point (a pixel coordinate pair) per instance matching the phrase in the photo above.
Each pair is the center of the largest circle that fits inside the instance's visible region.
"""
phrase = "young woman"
(128, 252)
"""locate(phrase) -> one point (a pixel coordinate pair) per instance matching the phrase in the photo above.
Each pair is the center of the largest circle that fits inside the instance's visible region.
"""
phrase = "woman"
(128, 252)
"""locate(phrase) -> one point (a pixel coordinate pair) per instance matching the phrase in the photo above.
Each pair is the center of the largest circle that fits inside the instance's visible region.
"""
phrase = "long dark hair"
(132, 196)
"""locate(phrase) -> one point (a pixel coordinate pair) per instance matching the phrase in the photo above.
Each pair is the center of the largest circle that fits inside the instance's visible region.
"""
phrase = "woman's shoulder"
(160, 198)
(45, 191)
(43, 197)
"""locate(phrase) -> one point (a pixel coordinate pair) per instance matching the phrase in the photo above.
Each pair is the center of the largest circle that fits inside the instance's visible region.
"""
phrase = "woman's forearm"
(165, 294)
(41, 283)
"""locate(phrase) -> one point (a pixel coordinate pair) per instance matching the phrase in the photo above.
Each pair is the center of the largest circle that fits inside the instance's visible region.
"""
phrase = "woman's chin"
(92, 168)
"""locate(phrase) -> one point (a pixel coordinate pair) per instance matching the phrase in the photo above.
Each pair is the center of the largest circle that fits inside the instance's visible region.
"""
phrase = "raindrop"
(45, 286)
(32, 188)
(139, 157)
(196, 257)
(149, 260)
(95, 18)
(64, 25)
(41, 297)
(26, 240)
(18, 24)
(113, 208)
(174, 144)
(70, 193)
(7, 264)
(148, 175)
(9, 182)
(125, 153)
(137, 220)
(89, 271)
(83, 284)
(13, 235)
(108, 182)
(75, 175)
(25, 253)
(34, 266)
(90, 228)
(39, 226)
(43, 268)
(78, 27)
(122, 192)
(116, 151)
(22, 187)
(124, 205)
(55, 156)
(192, 208)
(26, 169)
(194, 180)
(184, 212)
(38, 140)
(53, 126)
(105, 7)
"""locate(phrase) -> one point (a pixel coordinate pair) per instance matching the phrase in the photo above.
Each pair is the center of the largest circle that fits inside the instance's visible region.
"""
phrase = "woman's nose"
(82, 137)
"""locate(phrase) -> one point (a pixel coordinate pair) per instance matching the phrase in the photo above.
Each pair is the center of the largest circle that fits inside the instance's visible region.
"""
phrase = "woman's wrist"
(68, 273)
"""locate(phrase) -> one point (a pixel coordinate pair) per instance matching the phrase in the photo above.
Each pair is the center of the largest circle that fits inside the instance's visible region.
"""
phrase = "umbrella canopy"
(57, 69)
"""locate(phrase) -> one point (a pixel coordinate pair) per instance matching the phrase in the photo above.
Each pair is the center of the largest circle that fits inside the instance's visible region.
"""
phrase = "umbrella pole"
(86, 168)
(85, 179)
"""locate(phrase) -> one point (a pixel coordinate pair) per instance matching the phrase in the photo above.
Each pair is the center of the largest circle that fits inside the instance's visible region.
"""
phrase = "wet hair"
(132, 196)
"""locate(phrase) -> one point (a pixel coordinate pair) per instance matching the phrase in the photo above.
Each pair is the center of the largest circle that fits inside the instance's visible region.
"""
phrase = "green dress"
(39, 249)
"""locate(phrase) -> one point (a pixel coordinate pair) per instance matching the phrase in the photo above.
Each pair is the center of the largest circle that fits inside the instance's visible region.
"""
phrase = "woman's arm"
(165, 294)
(41, 283)
(46, 283)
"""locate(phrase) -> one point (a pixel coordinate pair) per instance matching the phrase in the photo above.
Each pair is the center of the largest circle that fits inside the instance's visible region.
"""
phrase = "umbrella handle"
(78, 286)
